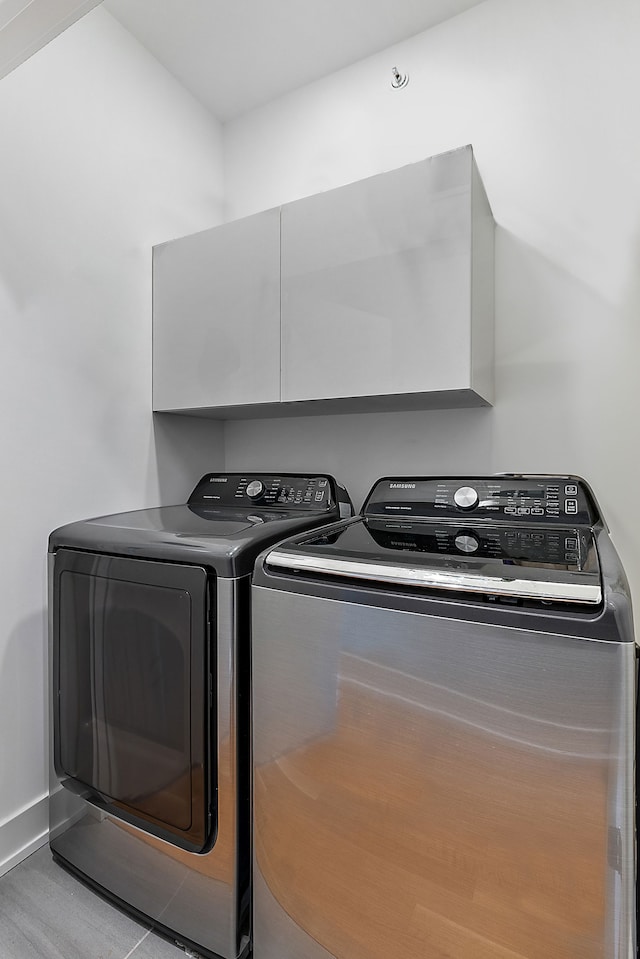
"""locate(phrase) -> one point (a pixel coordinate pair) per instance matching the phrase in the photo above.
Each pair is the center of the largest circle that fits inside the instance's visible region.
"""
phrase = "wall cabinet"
(216, 316)
(375, 295)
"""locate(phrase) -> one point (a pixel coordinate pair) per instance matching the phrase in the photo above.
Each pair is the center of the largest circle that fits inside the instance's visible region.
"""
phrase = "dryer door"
(132, 680)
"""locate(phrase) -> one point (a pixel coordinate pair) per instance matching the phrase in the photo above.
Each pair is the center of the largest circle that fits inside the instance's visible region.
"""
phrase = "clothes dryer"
(150, 680)
(444, 718)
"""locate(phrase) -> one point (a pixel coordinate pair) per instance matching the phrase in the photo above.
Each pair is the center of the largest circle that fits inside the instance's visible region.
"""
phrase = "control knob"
(255, 489)
(466, 543)
(466, 497)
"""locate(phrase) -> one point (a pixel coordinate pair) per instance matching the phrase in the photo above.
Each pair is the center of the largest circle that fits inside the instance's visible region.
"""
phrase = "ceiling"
(27, 25)
(234, 55)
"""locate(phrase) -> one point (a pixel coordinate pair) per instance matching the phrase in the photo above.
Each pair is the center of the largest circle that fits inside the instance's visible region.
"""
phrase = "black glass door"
(132, 672)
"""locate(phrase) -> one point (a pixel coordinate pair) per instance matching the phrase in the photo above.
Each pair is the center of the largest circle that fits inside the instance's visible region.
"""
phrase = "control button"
(466, 497)
(571, 543)
(255, 489)
(571, 491)
(524, 510)
(466, 543)
(571, 506)
(322, 483)
(509, 510)
(319, 495)
(537, 511)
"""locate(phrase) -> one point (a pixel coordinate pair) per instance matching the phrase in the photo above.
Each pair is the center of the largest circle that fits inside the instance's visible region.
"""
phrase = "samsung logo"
(402, 485)
(218, 479)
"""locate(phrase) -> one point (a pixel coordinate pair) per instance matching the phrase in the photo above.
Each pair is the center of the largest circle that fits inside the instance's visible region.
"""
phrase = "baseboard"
(23, 833)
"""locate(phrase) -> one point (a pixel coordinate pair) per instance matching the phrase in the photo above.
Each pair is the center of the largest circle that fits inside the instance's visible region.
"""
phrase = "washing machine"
(444, 722)
(150, 696)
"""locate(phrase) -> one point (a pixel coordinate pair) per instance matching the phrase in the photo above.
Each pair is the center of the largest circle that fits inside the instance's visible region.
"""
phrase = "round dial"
(466, 543)
(255, 489)
(466, 497)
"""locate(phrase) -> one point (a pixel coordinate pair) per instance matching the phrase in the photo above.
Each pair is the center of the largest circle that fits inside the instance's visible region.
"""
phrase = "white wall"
(546, 91)
(102, 154)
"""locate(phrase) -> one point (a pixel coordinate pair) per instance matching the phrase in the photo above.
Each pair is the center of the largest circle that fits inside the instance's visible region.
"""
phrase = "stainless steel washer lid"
(470, 579)
(519, 538)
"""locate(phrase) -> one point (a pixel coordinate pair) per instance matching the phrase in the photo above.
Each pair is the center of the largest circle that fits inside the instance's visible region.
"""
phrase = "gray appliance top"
(514, 538)
(228, 519)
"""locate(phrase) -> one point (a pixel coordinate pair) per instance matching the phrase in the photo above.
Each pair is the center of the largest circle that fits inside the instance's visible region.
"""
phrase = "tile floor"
(47, 914)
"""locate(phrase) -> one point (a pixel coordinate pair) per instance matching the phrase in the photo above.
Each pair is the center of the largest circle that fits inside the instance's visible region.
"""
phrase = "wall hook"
(399, 79)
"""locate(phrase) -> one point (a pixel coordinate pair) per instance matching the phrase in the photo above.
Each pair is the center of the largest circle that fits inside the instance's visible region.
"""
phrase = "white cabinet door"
(377, 285)
(216, 316)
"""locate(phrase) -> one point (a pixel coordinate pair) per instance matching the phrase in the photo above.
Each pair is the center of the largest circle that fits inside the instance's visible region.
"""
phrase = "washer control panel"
(513, 499)
(283, 491)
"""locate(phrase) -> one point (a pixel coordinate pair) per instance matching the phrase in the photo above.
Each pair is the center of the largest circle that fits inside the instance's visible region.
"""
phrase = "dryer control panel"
(279, 490)
(501, 498)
